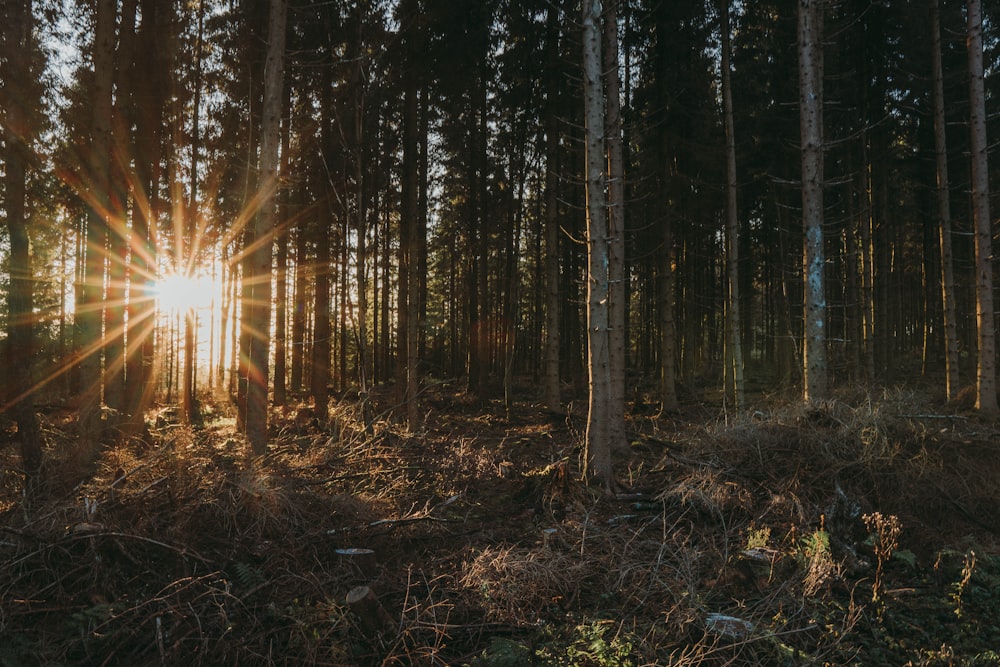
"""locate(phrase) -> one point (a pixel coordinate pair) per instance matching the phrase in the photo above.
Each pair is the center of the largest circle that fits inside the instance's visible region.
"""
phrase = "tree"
(944, 207)
(409, 281)
(90, 308)
(986, 392)
(597, 457)
(551, 260)
(257, 312)
(811, 132)
(616, 229)
(19, 102)
(733, 332)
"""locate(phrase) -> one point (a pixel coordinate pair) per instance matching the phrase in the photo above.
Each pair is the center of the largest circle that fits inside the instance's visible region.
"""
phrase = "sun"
(176, 291)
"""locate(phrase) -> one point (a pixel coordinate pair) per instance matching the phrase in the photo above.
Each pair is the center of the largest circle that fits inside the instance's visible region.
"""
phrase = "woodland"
(498, 332)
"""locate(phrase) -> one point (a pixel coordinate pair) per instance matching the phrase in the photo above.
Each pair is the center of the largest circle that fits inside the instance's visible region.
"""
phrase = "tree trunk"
(281, 281)
(258, 318)
(811, 129)
(552, 301)
(189, 255)
(409, 299)
(90, 308)
(616, 231)
(19, 101)
(986, 393)
(299, 311)
(944, 209)
(735, 335)
(597, 458)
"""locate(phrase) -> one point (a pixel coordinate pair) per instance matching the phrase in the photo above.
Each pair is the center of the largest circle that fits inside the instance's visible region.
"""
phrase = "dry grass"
(186, 549)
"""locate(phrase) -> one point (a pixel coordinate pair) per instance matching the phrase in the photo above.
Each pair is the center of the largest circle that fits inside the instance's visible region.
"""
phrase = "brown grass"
(187, 550)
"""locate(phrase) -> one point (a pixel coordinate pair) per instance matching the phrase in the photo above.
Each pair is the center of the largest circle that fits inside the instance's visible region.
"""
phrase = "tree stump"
(373, 620)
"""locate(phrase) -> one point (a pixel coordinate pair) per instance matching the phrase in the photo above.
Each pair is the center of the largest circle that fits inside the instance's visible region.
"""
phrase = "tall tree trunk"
(986, 392)
(320, 375)
(19, 100)
(597, 457)
(281, 279)
(811, 129)
(118, 242)
(616, 230)
(150, 72)
(258, 318)
(944, 209)
(299, 309)
(191, 219)
(90, 308)
(734, 333)
(409, 301)
(552, 300)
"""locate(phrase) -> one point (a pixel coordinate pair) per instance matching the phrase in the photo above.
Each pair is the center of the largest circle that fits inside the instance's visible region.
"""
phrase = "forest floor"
(861, 532)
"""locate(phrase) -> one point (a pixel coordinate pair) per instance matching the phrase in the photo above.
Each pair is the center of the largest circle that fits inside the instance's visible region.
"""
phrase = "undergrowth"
(857, 532)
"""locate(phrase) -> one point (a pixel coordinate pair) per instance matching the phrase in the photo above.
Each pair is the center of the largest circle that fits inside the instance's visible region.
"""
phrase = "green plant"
(589, 646)
(816, 559)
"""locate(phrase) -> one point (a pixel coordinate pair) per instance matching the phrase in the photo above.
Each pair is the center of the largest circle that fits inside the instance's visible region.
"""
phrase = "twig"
(182, 551)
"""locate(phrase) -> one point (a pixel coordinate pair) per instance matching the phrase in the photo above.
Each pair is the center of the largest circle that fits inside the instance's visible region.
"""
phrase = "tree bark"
(258, 317)
(986, 392)
(19, 100)
(411, 303)
(91, 309)
(597, 458)
(616, 230)
(944, 209)
(734, 332)
(811, 132)
(552, 301)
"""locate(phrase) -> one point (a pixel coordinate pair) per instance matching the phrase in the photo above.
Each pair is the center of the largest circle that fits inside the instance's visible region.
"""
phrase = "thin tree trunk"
(616, 230)
(944, 209)
(811, 126)
(18, 135)
(187, 385)
(597, 457)
(259, 315)
(299, 309)
(735, 335)
(552, 301)
(986, 393)
(281, 282)
(90, 309)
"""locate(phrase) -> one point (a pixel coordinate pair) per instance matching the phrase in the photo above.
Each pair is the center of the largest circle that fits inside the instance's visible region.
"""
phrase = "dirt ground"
(860, 532)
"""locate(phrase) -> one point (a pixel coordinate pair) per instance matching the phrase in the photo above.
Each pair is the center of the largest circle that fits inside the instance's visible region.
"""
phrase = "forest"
(499, 332)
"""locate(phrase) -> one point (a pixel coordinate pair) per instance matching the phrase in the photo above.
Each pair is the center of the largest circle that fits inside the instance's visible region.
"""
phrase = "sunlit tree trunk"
(258, 311)
(299, 309)
(150, 72)
(90, 309)
(281, 278)
(190, 257)
(597, 457)
(811, 131)
(944, 208)
(19, 98)
(319, 378)
(734, 334)
(986, 393)
(118, 241)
